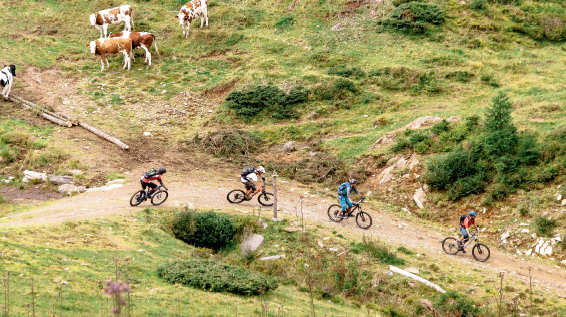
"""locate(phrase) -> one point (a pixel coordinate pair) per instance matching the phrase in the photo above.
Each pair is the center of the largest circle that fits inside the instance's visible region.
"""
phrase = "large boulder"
(251, 243)
(29, 175)
(419, 197)
(70, 188)
(60, 180)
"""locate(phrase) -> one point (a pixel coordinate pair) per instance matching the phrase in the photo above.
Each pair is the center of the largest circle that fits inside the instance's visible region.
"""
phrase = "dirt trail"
(194, 192)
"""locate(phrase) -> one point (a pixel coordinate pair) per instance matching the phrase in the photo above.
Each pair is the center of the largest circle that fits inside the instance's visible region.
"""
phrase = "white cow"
(100, 20)
(190, 11)
(6, 79)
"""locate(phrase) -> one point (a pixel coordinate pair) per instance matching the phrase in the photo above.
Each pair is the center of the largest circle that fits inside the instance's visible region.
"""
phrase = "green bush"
(403, 78)
(415, 16)
(207, 229)
(443, 170)
(454, 304)
(440, 127)
(545, 226)
(284, 23)
(377, 251)
(230, 143)
(478, 5)
(271, 100)
(216, 277)
(339, 90)
(418, 141)
(343, 71)
(467, 186)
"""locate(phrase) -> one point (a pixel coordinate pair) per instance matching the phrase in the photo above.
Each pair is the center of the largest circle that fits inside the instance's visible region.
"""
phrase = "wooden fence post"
(274, 197)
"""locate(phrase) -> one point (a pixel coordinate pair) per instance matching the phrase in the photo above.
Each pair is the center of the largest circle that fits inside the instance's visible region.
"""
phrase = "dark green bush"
(443, 170)
(216, 277)
(478, 5)
(284, 23)
(339, 90)
(440, 127)
(545, 226)
(454, 304)
(403, 78)
(377, 251)
(207, 229)
(343, 71)
(418, 141)
(415, 16)
(269, 99)
(467, 186)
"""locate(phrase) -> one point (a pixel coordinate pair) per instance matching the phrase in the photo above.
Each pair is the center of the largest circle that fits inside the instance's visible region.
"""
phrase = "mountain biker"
(152, 175)
(465, 222)
(250, 178)
(344, 191)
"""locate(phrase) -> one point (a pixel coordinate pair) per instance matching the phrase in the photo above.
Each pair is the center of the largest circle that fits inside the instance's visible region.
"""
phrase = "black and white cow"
(6, 79)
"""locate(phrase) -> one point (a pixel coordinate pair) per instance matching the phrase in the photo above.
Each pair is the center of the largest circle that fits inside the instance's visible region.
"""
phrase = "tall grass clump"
(414, 17)
(378, 251)
(545, 226)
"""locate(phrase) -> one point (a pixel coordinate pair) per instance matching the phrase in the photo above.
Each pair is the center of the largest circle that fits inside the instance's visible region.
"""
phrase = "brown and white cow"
(101, 19)
(190, 11)
(103, 47)
(140, 40)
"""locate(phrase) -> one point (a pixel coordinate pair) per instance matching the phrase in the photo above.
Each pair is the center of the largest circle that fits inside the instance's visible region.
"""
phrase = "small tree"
(501, 137)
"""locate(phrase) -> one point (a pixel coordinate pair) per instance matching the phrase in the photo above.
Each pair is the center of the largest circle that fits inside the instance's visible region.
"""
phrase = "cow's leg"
(147, 54)
(127, 23)
(105, 27)
(206, 14)
(99, 28)
(102, 63)
(7, 94)
(4, 94)
(188, 28)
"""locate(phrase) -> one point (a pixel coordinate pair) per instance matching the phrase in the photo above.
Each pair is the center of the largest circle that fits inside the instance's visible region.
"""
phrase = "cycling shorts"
(464, 233)
(250, 185)
(150, 185)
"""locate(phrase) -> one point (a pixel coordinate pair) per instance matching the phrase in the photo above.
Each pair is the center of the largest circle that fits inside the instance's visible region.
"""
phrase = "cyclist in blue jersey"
(344, 191)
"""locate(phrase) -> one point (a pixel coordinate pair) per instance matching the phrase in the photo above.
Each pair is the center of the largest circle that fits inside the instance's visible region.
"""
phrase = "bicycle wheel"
(137, 198)
(480, 252)
(236, 196)
(266, 199)
(159, 198)
(363, 219)
(334, 213)
(450, 245)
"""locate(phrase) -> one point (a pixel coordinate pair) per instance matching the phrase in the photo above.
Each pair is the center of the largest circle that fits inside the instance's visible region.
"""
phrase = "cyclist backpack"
(152, 172)
(462, 217)
(247, 171)
(342, 189)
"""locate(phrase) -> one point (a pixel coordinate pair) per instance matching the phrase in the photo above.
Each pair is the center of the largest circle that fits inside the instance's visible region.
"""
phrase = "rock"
(262, 223)
(251, 243)
(35, 175)
(141, 250)
(563, 262)
(64, 283)
(336, 27)
(414, 162)
(423, 122)
(413, 270)
(68, 189)
(525, 231)
(454, 119)
(75, 172)
(147, 134)
(60, 180)
(386, 175)
(419, 197)
(529, 252)
(406, 210)
(289, 146)
(505, 236)
(563, 202)
(320, 244)
(426, 304)
(333, 249)
(411, 284)
(559, 197)
(274, 257)
(384, 139)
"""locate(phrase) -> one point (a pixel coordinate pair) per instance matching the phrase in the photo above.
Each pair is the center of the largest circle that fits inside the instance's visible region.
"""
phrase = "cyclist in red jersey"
(152, 175)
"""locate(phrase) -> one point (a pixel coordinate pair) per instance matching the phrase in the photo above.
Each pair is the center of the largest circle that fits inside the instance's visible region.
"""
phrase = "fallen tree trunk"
(105, 136)
(55, 120)
(46, 114)
(416, 278)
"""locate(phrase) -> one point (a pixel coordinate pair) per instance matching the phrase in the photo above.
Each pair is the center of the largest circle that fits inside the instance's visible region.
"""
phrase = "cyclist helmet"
(261, 169)
(353, 181)
(162, 170)
(473, 213)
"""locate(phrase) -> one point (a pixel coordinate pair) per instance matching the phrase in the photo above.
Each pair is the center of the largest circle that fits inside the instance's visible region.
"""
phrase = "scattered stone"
(333, 249)
(413, 270)
(411, 284)
(426, 304)
(64, 283)
(84, 264)
(525, 231)
(289, 146)
(86, 234)
(505, 236)
(70, 188)
(454, 119)
(563, 202)
(141, 250)
(419, 197)
(336, 27)
(147, 134)
(262, 223)
(326, 238)
(563, 262)
(274, 257)
(251, 243)
(60, 180)
(559, 197)
(75, 172)
(529, 252)
(320, 244)
(406, 210)
(423, 122)
(29, 175)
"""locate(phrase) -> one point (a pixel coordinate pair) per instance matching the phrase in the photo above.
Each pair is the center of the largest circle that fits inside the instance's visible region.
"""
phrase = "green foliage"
(452, 303)
(405, 251)
(414, 17)
(440, 127)
(444, 170)
(216, 277)
(230, 143)
(339, 90)
(417, 140)
(378, 251)
(343, 71)
(490, 79)
(284, 23)
(545, 226)
(478, 5)
(270, 100)
(207, 229)
(404, 78)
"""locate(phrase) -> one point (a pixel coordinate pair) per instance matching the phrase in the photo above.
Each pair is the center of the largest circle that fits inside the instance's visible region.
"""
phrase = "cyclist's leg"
(343, 204)
(254, 189)
(463, 238)
(153, 186)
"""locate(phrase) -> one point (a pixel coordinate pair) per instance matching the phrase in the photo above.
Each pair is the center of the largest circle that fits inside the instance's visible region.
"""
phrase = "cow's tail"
(155, 45)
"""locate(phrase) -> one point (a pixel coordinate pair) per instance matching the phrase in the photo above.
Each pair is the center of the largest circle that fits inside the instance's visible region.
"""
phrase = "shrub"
(445, 169)
(216, 277)
(339, 90)
(284, 23)
(545, 226)
(229, 143)
(414, 16)
(270, 99)
(440, 127)
(377, 251)
(466, 186)
(318, 169)
(478, 5)
(416, 140)
(452, 303)
(343, 71)
(403, 78)
(207, 229)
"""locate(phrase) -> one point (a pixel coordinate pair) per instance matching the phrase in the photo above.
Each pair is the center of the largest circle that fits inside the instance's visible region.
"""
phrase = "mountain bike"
(158, 197)
(237, 196)
(363, 219)
(480, 251)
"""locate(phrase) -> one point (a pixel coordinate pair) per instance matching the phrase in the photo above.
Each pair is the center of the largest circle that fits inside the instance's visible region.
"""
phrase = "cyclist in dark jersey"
(152, 175)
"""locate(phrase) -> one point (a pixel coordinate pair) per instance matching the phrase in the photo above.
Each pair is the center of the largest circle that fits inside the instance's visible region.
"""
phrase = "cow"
(141, 40)
(112, 46)
(100, 20)
(190, 11)
(6, 79)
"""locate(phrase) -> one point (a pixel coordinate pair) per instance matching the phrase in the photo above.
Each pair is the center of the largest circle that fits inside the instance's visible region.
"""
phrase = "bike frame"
(156, 190)
(472, 238)
(356, 207)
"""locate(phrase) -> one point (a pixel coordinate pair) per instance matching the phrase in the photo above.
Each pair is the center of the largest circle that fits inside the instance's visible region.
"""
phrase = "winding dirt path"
(193, 191)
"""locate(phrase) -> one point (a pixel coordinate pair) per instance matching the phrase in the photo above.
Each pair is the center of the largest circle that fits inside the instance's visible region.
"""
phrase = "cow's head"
(92, 46)
(92, 18)
(181, 17)
(13, 70)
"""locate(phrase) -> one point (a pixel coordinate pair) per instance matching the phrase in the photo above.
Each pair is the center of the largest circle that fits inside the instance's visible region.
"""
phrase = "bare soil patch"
(27, 196)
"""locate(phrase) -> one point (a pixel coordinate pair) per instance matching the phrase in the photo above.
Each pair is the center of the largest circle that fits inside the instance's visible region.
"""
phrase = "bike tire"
(266, 199)
(333, 213)
(363, 219)
(134, 201)
(236, 196)
(159, 198)
(450, 245)
(482, 252)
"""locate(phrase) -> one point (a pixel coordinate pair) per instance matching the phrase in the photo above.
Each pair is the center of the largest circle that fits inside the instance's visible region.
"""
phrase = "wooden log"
(46, 114)
(55, 120)
(416, 278)
(39, 108)
(105, 136)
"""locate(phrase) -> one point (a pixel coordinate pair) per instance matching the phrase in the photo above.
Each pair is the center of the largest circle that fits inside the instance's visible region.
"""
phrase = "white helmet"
(261, 169)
